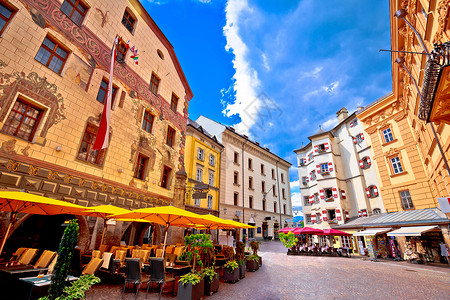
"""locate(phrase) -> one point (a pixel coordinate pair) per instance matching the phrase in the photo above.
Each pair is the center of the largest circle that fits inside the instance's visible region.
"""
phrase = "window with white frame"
(387, 135)
(211, 178)
(197, 202)
(359, 138)
(406, 200)
(199, 175)
(346, 241)
(396, 165)
(324, 168)
(200, 154)
(210, 201)
(306, 201)
(212, 160)
(313, 175)
(308, 218)
(304, 181)
(316, 198)
(310, 156)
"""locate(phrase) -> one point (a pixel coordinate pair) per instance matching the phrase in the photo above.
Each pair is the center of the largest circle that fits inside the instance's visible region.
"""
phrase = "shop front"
(373, 242)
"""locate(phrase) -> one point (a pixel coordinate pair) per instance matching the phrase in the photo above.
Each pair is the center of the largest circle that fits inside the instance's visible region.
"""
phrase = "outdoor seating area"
(136, 267)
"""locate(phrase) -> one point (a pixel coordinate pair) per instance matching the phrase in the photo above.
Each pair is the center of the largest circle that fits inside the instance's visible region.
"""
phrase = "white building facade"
(337, 178)
(254, 183)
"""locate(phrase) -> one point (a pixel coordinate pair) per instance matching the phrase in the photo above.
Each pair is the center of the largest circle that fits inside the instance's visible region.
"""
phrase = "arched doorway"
(43, 232)
(138, 233)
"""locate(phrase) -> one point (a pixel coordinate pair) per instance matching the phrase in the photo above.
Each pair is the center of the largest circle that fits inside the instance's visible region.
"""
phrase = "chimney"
(342, 114)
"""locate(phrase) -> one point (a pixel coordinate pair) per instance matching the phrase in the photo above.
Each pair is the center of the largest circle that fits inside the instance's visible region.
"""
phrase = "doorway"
(265, 229)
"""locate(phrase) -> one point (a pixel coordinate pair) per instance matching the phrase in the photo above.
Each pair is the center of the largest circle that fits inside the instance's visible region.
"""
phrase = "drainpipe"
(278, 189)
(243, 183)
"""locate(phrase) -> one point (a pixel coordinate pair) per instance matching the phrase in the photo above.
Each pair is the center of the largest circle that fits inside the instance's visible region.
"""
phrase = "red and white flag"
(102, 139)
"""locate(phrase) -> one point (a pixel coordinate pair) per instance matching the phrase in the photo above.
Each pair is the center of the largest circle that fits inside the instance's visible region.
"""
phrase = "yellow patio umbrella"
(22, 202)
(167, 216)
(105, 212)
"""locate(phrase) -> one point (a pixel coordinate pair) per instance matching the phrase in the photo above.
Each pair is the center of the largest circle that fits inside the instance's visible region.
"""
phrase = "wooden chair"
(153, 250)
(135, 253)
(93, 266)
(169, 249)
(113, 249)
(45, 259)
(52, 265)
(27, 257)
(96, 254)
(19, 253)
(108, 262)
(145, 255)
(158, 253)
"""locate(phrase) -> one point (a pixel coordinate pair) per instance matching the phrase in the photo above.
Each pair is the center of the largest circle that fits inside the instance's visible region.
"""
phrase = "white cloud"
(330, 123)
(330, 88)
(265, 62)
(296, 198)
(312, 74)
(295, 183)
(204, 1)
(246, 83)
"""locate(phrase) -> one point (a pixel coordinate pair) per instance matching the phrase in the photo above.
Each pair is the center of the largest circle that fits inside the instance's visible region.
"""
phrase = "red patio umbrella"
(307, 230)
(286, 230)
(334, 232)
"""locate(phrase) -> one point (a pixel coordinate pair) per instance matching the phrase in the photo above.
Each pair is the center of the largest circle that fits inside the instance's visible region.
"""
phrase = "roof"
(319, 132)
(374, 102)
(199, 128)
(406, 217)
(303, 148)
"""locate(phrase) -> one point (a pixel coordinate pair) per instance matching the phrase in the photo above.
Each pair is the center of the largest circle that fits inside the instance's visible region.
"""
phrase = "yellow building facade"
(202, 160)
(54, 73)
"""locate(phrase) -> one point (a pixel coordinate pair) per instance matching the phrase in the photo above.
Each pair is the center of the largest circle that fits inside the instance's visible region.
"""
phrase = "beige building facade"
(54, 72)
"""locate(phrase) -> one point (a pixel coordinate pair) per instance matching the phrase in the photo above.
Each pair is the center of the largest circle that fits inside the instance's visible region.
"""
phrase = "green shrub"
(255, 246)
(209, 274)
(288, 239)
(253, 257)
(193, 278)
(231, 265)
(77, 289)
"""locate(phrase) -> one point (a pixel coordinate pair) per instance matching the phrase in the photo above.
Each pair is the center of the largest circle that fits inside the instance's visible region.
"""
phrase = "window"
(211, 178)
(358, 139)
(103, 92)
(396, 165)
(264, 204)
(284, 208)
(302, 161)
(250, 201)
(170, 136)
(376, 211)
(250, 164)
(6, 15)
(85, 152)
(128, 21)
(308, 218)
(405, 196)
(283, 193)
(75, 10)
(372, 191)
(328, 193)
(319, 220)
(310, 156)
(306, 201)
(199, 174)
(313, 175)
(121, 51)
(23, 120)
(262, 169)
(324, 168)
(250, 183)
(321, 148)
(263, 187)
(346, 241)
(174, 103)
(273, 174)
(275, 207)
(165, 177)
(354, 123)
(236, 196)
(236, 158)
(387, 135)
(210, 201)
(274, 193)
(200, 154)
(365, 162)
(154, 83)
(332, 215)
(304, 180)
(282, 177)
(197, 202)
(212, 160)
(52, 55)
(236, 178)
(147, 122)
(316, 198)
(141, 165)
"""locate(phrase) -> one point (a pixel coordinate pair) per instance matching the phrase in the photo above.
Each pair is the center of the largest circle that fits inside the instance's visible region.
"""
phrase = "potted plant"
(77, 289)
(198, 250)
(211, 280)
(190, 287)
(252, 263)
(231, 271)
(289, 241)
(241, 263)
(255, 246)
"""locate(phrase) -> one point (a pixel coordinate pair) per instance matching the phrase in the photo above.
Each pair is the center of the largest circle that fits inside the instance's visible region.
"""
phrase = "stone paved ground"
(308, 277)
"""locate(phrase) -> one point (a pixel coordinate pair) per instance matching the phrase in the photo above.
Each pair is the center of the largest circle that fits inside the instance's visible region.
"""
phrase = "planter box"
(231, 277)
(242, 271)
(252, 265)
(260, 261)
(211, 287)
(191, 292)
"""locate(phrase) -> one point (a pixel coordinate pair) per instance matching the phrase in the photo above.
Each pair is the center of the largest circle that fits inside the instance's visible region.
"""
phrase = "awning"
(372, 231)
(411, 231)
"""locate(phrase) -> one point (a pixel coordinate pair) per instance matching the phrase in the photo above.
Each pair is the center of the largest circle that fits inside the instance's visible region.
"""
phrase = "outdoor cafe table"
(9, 278)
(34, 288)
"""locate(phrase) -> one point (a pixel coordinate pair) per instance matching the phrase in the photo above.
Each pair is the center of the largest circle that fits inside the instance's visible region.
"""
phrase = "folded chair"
(158, 275)
(133, 275)
(108, 262)
(45, 259)
(158, 253)
(96, 254)
(52, 265)
(93, 266)
(27, 257)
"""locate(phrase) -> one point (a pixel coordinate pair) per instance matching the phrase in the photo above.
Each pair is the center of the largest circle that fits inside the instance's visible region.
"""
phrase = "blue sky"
(276, 70)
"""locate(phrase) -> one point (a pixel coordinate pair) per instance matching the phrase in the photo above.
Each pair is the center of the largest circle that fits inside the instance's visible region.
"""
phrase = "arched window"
(365, 162)
(376, 211)
(372, 191)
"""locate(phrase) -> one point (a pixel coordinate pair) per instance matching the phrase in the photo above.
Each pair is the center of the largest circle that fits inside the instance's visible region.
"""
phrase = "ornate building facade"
(254, 183)
(54, 72)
